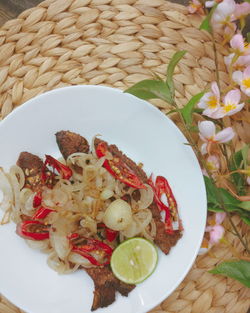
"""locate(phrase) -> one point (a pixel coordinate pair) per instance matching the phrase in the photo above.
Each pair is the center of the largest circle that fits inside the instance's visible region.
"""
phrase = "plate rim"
(32, 101)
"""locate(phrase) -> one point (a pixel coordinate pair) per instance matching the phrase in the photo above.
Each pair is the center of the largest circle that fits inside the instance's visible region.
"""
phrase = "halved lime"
(134, 260)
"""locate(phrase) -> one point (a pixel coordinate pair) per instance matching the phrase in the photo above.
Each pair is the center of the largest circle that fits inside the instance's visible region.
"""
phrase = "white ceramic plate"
(145, 135)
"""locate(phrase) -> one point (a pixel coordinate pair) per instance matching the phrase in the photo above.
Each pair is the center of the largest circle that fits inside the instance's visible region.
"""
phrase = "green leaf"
(206, 22)
(246, 220)
(211, 191)
(212, 208)
(151, 89)
(248, 34)
(170, 70)
(239, 161)
(228, 198)
(187, 110)
(245, 205)
(239, 270)
(231, 204)
(244, 152)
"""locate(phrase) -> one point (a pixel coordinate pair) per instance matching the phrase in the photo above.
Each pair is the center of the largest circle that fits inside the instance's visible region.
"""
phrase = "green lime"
(134, 260)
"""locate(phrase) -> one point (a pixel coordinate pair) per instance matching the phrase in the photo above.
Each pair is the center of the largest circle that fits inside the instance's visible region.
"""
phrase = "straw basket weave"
(118, 43)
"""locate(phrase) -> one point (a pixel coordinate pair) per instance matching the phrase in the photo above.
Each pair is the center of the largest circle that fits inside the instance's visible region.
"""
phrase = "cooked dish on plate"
(80, 208)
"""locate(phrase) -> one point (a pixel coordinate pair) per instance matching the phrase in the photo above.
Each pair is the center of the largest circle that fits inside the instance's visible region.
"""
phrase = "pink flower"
(208, 133)
(248, 180)
(210, 4)
(243, 79)
(213, 163)
(238, 45)
(229, 31)
(195, 6)
(216, 232)
(231, 103)
(239, 64)
(222, 14)
(210, 102)
(241, 10)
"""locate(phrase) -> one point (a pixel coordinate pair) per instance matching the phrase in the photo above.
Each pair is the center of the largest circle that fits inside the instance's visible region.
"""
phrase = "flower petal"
(213, 162)
(246, 91)
(225, 135)
(207, 130)
(232, 97)
(237, 109)
(202, 104)
(216, 234)
(246, 73)
(237, 42)
(215, 89)
(215, 114)
(204, 148)
(237, 77)
(219, 217)
(209, 4)
(228, 59)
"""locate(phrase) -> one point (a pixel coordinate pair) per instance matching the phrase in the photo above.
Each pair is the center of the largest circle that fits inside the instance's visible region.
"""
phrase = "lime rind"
(134, 260)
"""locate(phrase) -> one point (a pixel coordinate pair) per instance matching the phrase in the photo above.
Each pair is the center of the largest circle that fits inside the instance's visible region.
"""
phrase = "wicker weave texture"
(118, 43)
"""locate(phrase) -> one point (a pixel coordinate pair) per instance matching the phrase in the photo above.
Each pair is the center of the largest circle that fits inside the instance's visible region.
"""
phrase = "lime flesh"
(134, 260)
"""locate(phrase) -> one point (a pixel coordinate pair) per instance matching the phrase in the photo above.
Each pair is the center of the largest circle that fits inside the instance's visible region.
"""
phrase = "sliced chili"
(33, 230)
(62, 169)
(110, 234)
(118, 168)
(89, 257)
(90, 245)
(37, 200)
(158, 192)
(41, 213)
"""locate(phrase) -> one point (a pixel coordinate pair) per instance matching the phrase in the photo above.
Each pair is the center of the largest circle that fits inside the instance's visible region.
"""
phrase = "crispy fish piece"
(162, 239)
(106, 284)
(116, 152)
(69, 142)
(32, 167)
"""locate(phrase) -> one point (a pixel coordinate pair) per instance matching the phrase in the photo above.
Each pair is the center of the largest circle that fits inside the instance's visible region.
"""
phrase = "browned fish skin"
(32, 167)
(69, 142)
(116, 152)
(106, 285)
(163, 240)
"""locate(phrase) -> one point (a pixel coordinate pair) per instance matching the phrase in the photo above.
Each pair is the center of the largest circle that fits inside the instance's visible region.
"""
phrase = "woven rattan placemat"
(118, 43)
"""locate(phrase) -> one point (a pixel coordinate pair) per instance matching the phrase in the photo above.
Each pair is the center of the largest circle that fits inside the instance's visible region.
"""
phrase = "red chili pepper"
(62, 169)
(89, 257)
(37, 200)
(33, 230)
(119, 169)
(90, 245)
(162, 187)
(73, 236)
(158, 192)
(110, 234)
(41, 213)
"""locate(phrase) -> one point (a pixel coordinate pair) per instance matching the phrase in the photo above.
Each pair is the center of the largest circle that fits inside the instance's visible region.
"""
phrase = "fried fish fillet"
(106, 284)
(69, 143)
(32, 167)
(162, 239)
